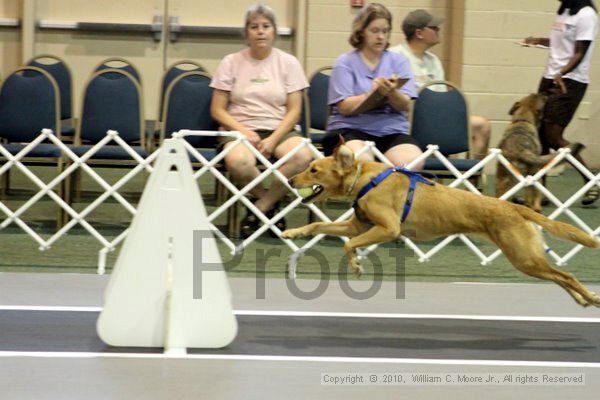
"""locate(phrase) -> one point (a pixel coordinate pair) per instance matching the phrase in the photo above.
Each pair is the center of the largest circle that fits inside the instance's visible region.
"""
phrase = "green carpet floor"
(78, 250)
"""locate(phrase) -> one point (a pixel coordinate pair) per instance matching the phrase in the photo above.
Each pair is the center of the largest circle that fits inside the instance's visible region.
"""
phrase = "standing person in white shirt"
(566, 76)
(422, 31)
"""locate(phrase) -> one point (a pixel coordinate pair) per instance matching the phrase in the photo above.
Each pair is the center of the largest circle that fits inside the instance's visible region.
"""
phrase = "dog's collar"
(414, 178)
(351, 188)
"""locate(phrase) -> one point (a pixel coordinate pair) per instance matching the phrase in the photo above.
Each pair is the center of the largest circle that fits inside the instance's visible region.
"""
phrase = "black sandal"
(249, 225)
(281, 224)
(591, 196)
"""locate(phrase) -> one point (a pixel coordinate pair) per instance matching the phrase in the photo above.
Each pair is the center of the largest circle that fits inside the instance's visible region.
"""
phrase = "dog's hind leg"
(534, 198)
(522, 247)
(576, 296)
(502, 180)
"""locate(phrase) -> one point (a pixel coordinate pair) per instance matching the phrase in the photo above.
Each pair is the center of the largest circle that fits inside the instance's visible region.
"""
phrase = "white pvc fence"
(73, 162)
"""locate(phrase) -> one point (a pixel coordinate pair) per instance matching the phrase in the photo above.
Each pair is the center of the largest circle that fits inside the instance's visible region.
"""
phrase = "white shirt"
(426, 69)
(566, 30)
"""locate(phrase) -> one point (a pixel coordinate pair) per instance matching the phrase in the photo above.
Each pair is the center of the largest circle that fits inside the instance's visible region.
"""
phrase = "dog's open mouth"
(310, 193)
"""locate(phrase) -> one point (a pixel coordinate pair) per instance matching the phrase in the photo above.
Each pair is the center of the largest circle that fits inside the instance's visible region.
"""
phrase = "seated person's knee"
(480, 125)
(239, 166)
(300, 161)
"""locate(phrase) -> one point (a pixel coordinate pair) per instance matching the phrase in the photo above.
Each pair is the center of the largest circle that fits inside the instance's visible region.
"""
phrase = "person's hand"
(395, 81)
(266, 146)
(383, 86)
(252, 137)
(558, 81)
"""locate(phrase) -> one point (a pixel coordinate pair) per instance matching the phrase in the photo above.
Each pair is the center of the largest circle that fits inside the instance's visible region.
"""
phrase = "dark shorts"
(561, 107)
(263, 133)
(383, 143)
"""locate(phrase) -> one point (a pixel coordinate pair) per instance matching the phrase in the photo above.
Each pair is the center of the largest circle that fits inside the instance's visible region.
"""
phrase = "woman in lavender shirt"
(359, 73)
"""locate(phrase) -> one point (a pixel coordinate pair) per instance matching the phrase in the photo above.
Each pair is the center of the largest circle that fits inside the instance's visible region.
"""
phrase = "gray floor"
(317, 336)
(55, 354)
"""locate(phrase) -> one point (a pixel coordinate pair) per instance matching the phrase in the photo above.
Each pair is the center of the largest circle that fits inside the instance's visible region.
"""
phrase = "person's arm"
(218, 110)
(537, 41)
(581, 48)
(293, 108)
(398, 100)
(349, 104)
(384, 88)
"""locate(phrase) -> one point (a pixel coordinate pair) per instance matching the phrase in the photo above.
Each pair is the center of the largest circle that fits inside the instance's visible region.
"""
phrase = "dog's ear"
(341, 142)
(344, 156)
(514, 108)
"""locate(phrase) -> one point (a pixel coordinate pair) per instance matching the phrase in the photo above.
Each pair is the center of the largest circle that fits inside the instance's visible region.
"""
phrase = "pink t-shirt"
(259, 88)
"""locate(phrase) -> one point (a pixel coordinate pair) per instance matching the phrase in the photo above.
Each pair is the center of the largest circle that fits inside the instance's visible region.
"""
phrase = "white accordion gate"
(73, 162)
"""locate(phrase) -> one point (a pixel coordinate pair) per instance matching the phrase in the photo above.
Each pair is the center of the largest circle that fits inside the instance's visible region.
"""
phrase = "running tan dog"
(437, 210)
(521, 146)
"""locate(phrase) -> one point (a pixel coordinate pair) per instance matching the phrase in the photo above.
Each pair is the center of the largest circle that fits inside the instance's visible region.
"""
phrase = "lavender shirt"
(351, 77)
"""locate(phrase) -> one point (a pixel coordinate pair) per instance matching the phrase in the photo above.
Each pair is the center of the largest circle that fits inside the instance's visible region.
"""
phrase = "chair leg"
(5, 184)
(75, 193)
(220, 192)
(63, 216)
(233, 223)
(70, 189)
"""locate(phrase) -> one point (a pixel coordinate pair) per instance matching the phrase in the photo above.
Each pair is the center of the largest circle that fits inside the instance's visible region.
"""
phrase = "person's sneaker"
(518, 200)
(591, 196)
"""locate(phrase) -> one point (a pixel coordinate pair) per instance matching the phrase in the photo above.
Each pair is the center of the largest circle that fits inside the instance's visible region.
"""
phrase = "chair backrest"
(28, 103)
(442, 118)
(112, 99)
(62, 75)
(315, 110)
(176, 69)
(187, 106)
(120, 64)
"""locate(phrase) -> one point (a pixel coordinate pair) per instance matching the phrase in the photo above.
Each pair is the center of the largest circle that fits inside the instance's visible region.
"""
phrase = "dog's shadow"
(389, 339)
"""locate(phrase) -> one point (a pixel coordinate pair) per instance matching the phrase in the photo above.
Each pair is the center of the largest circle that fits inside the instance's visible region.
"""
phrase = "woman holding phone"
(368, 77)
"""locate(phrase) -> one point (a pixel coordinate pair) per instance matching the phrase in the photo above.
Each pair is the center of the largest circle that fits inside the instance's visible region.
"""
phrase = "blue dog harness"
(414, 178)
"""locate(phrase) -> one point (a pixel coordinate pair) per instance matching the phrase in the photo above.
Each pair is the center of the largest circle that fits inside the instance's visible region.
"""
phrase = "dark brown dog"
(521, 146)
(437, 210)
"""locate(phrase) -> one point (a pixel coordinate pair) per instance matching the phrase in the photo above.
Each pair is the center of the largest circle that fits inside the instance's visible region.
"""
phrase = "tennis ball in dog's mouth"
(305, 192)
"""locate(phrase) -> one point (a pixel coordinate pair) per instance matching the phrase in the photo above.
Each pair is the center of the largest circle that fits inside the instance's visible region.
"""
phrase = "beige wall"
(84, 50)
(496, 72)
(329, 23)
(10, 38)
(477, 48)
(478, 52)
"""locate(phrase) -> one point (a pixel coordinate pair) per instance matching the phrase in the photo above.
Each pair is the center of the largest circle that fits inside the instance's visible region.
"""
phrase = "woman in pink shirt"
(258, 92)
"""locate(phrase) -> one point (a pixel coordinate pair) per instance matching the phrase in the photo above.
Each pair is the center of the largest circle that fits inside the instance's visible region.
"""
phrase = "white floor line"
(324, 314)
(50, 308)
(501, 284)
(347, 360)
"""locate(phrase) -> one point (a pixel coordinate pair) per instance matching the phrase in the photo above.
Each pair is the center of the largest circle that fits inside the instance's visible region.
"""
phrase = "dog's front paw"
(293, 233)
(356, 268)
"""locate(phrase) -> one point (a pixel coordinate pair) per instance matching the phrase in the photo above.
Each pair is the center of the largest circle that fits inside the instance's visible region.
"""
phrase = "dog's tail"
(557, 228)
(531, 158)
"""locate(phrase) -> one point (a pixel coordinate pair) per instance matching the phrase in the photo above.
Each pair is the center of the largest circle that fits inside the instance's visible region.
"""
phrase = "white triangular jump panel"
(149, 300)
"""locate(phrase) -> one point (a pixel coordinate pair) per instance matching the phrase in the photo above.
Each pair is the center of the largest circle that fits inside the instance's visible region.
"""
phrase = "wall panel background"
(477, 48)
(10, 37)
